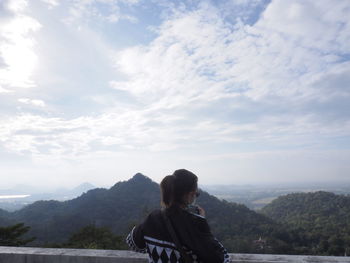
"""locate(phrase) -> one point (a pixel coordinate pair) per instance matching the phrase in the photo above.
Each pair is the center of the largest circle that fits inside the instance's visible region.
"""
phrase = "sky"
(237, 91)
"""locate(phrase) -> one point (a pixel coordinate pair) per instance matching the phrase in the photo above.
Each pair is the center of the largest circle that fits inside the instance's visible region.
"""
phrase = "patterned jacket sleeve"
(224, 251)
(135, 240)
(209, 248)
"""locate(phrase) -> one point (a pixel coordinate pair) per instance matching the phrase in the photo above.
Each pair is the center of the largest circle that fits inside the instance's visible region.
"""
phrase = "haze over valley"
(21, 195)
(253, 196)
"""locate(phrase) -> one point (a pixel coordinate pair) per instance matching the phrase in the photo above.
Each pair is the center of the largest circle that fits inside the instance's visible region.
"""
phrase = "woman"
(155, 237)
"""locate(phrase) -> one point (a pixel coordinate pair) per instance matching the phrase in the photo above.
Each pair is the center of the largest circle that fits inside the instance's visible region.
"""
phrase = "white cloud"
(284, 62)
(17, 5)
(206, 85)
(51, 3)
(2, 90)
(17, 48)
(114, 18)
(34, 102)
(105, 10)
(198, 58)
(70, 138)
(318, 25)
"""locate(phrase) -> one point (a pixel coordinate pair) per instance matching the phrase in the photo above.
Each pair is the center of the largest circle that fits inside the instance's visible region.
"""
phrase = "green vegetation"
(4, 218)
(93, 237)
(126, 204)
(240, 228)
(313, 223)
(320, 221)
(12, 235)
(115, 208)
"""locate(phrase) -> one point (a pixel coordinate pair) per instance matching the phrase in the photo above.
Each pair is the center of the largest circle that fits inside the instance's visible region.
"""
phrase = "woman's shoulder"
(185, 219)
(176, 213)
(154, 215)
(185, 215)
(194, 215)
(200, 222)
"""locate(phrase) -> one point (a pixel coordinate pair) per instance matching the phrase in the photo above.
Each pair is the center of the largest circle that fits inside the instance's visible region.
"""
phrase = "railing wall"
(54, 255)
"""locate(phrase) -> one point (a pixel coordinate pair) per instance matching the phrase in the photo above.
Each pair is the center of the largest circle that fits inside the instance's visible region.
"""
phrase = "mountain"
(54, 221)
(4, 217)
(128, 202)
(322, 219)
(240, 228)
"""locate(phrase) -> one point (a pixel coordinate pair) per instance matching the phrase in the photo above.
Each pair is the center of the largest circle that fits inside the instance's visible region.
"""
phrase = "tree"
(93, 237)
(12, 235)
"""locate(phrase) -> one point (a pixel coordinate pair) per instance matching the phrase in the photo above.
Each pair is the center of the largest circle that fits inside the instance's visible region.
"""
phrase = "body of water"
(13, 196)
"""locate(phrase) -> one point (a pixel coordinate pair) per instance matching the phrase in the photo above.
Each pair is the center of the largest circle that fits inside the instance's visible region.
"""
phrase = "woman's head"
(176, 188)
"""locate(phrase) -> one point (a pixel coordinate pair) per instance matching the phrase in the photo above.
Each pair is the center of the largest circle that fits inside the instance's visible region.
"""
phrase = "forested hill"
(312, 223)
(311, 209)
(4, 217)
(3, 212)
(322, 219)
(118, 207)
(128, 202)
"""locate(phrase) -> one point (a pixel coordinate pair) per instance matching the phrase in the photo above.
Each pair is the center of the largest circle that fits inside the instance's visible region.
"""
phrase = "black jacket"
(192, 230)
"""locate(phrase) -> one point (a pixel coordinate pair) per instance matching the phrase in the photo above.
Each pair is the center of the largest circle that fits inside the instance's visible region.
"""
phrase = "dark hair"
(174, 187)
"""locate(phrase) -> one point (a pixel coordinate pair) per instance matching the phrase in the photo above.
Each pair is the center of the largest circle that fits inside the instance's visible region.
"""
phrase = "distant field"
(251, 203)
(264, 201)
(256, 197)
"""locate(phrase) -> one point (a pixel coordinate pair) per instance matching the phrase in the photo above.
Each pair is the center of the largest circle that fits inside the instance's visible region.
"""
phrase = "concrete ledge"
(263, 258)
(56, 255)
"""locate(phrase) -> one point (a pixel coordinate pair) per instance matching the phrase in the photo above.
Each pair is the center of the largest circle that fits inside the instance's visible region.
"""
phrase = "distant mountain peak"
(139, 177)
